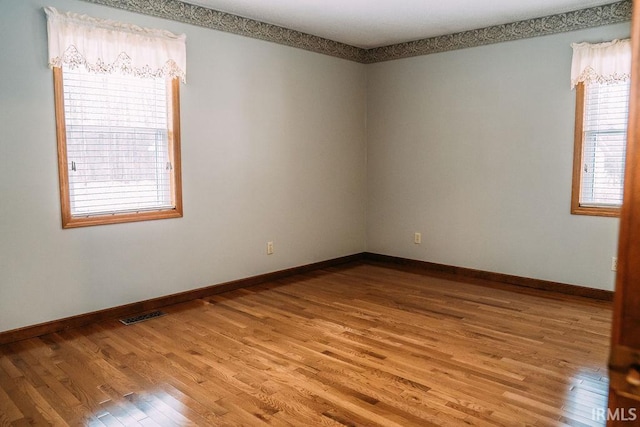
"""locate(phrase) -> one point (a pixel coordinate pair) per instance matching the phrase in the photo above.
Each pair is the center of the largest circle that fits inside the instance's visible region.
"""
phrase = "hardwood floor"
(360, 344)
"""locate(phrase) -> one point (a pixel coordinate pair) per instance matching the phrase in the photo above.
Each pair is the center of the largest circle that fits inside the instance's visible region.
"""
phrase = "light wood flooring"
(357, 345)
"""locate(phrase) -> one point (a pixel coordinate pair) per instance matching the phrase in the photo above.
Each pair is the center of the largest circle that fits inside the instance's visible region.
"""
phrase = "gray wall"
(273, 148)
(473, 148)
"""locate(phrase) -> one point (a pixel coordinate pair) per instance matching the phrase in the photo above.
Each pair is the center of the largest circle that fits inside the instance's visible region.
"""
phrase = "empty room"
(246, 213)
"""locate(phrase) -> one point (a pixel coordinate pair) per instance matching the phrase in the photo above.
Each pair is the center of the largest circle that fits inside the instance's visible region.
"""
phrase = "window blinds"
(606, 113)
(117, 143)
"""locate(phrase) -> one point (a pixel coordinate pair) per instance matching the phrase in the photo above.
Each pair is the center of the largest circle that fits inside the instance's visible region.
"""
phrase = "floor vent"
(142, 317)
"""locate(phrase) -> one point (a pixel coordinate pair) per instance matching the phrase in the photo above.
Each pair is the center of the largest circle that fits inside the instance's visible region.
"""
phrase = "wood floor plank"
(356, 345)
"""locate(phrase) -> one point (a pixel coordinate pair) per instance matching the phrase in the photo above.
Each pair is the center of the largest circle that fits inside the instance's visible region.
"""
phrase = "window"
(118, 147)
(600, 74)
(600, 148)
(117, 119)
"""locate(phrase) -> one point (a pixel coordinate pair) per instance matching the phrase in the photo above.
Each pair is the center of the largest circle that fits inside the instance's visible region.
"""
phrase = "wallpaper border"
(177, 10)
(570, 21)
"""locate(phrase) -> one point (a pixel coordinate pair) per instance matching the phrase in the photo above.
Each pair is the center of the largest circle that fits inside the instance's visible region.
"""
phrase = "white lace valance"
(608, 62)
(106, 46)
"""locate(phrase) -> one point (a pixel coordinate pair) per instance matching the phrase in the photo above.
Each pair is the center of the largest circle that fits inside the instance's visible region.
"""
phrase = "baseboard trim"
(368, 257)
(545, 285)
(156, 303)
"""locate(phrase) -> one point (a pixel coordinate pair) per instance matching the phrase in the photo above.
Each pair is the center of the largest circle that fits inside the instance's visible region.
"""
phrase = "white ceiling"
(374, 23)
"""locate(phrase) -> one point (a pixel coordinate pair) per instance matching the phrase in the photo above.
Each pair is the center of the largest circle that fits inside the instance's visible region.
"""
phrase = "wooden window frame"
(69, 221)
(576, 209)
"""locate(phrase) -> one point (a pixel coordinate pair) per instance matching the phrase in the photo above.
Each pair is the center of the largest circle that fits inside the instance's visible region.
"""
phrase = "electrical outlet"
(614, 263)
(417, 238)
(269, 248)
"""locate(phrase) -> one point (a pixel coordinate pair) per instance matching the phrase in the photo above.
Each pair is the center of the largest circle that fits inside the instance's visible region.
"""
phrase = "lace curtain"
(106, 46)
(608, 62)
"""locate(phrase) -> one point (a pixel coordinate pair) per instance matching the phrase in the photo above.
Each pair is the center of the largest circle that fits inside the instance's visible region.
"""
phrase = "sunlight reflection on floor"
(586, 399)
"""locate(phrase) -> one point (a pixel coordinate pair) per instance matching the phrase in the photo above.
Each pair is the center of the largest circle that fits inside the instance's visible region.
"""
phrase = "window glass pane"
(117, 143)
(604, 144)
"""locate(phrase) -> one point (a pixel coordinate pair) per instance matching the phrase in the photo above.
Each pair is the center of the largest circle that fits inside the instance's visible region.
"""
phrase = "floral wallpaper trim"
(577, 20)
(197, 15)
